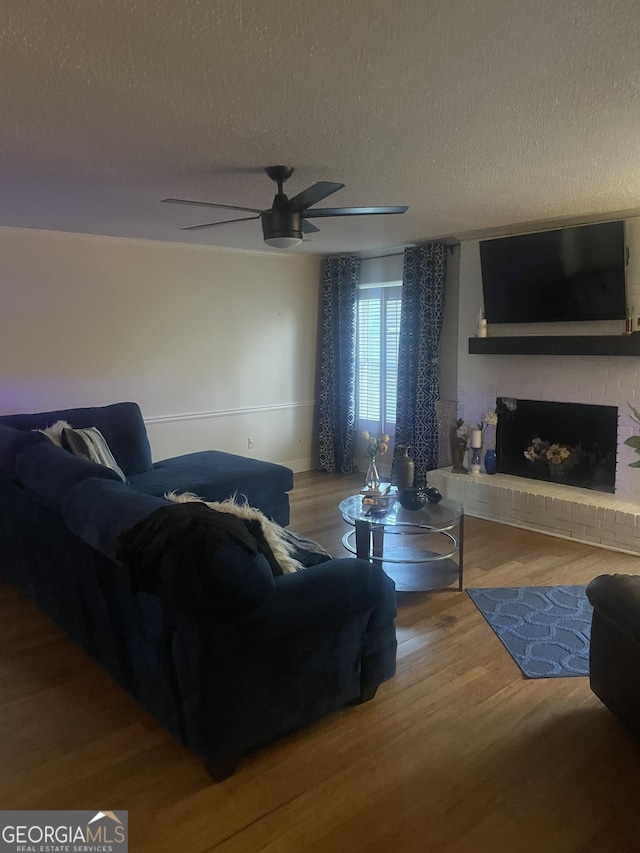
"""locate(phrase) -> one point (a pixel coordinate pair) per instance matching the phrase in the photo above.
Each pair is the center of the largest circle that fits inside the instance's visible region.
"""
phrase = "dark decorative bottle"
(405, 468)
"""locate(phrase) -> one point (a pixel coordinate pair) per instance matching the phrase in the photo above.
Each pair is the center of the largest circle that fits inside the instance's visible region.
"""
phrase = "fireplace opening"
(571, 443)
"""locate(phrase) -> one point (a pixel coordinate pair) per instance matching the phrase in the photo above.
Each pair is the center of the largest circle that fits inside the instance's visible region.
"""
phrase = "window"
(377, 356)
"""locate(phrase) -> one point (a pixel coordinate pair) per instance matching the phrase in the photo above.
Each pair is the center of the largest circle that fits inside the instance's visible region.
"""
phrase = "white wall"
(215, 345)
(601, 380)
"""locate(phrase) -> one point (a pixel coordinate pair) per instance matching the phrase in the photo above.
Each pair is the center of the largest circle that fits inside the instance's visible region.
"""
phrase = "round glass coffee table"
(420, 549)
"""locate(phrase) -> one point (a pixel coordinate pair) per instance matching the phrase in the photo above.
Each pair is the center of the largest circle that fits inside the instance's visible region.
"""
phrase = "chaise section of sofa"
(215, 476)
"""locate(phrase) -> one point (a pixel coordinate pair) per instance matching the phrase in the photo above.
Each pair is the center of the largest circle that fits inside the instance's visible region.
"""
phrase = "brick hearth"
(583, 515)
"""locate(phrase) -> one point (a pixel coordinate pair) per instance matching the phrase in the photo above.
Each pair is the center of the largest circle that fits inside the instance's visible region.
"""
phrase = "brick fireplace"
(610, 519)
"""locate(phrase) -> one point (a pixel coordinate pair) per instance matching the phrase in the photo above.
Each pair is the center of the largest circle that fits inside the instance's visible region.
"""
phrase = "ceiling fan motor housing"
(278, 223)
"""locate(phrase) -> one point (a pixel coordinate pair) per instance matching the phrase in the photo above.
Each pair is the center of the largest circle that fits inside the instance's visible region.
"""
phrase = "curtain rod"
(450, 246)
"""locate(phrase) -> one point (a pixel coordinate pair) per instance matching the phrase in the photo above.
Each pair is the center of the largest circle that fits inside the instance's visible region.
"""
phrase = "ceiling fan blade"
(210, 204)
(308, 227)
(312, 195)
(224, 222)
(353, 211)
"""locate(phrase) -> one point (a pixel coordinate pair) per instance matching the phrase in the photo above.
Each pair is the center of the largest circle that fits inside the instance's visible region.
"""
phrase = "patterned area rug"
(545, 629)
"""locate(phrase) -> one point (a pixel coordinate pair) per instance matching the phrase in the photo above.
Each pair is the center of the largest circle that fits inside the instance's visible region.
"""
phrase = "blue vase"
(490, 462)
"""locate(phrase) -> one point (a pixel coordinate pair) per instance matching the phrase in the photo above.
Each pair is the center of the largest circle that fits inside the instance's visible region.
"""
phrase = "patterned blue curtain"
(337, 408)
(421, 317)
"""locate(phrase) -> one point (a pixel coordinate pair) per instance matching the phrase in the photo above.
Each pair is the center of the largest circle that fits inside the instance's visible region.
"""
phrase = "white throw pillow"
(89, 443)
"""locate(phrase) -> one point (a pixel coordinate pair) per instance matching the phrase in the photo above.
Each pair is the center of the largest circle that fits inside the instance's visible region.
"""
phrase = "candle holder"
(475, 462)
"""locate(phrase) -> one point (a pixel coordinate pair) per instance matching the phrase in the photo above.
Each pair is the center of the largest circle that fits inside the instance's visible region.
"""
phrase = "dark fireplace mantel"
(557, 345)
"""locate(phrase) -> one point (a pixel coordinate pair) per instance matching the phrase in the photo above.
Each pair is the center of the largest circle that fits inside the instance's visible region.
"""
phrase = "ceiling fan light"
(283, 242)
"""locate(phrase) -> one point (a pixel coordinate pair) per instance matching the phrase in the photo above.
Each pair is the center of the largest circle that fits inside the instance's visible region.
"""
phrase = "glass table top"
(440, 516)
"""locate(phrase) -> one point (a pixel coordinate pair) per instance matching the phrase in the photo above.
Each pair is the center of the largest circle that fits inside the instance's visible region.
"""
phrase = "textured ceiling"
(478, 115)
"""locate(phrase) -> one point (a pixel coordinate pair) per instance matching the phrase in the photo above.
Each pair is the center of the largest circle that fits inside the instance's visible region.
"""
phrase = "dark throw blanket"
(191, 557)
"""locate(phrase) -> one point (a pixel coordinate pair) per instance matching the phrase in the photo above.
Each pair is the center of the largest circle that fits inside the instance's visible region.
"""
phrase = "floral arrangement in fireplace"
(557, 456)
(634, 440)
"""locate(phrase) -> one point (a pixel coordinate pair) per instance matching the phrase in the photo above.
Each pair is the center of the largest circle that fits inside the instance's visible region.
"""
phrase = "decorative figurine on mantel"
(459, 441)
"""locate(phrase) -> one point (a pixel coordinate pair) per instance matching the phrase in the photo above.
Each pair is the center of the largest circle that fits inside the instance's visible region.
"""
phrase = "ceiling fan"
(284, 223)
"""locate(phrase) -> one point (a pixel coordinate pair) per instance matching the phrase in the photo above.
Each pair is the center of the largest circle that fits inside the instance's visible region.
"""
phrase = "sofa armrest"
(325, 639)
(614, 655)
(330, 591)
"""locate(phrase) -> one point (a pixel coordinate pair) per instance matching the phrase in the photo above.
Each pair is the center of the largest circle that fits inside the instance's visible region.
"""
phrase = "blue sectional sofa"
(185, 608)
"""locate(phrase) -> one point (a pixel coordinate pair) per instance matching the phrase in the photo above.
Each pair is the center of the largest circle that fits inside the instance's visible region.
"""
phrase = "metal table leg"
(369, 541)
(363, 539)
(378, 542)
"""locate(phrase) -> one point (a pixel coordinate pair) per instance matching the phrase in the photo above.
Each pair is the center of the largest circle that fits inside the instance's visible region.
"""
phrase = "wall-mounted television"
(555, 276)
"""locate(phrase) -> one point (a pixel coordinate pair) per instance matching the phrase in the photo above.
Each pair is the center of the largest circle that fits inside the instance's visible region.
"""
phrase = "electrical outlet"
(250, 443)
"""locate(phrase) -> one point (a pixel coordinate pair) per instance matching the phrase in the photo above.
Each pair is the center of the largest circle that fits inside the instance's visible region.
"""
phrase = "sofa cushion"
(120, 423)
(12, 441)
(90, 444)
(50, 471)
(99, 510)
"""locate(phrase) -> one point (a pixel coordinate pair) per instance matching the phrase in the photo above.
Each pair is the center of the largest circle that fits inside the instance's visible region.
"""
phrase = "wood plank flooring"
(457, 753)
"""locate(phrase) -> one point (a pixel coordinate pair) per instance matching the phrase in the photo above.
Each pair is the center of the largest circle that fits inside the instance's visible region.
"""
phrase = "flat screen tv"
(555, 276)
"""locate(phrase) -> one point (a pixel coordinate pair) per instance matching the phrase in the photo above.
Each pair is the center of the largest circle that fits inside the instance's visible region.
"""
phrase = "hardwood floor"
(457, 753)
